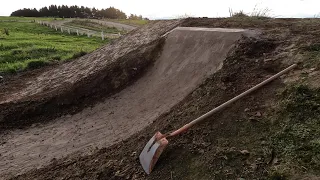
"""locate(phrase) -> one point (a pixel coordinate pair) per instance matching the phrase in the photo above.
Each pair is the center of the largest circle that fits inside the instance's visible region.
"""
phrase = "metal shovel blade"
(152, 151)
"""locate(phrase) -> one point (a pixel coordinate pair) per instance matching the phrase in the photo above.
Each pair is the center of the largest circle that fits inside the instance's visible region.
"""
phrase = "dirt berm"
(189, 56)
(192, 71)
(76, 83)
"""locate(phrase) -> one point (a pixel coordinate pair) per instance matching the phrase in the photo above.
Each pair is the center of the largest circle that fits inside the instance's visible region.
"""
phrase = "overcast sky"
(175, 8)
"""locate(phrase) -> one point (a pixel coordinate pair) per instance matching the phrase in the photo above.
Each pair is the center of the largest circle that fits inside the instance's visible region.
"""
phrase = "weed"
(297, 140)
(312, 54)
(79, 54)
(36, 64)
(239, 14)
(256, 13)
(6, 31)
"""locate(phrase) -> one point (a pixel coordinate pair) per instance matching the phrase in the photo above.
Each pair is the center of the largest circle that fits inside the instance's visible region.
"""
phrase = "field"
(29, 45)
(5, 18)
(130, 22)
(87, 24)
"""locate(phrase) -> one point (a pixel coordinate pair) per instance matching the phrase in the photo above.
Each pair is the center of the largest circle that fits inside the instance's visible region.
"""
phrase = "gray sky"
(176, 8)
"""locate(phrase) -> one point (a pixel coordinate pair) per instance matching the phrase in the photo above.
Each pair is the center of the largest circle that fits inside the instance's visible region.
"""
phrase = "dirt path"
(189, 56)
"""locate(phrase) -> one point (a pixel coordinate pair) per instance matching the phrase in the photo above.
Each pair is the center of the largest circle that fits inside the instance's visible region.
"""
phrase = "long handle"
(222, 106)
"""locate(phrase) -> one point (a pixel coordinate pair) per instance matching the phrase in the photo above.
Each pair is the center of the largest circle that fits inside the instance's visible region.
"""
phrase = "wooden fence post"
(102, 36)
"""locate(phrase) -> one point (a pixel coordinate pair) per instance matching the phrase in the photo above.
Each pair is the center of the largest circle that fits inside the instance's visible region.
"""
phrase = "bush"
(36, 64)
(239, 14)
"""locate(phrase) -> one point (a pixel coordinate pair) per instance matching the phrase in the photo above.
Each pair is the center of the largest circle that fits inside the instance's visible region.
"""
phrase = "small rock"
(133, 154)
(253, 119)
(119, 174)
(1, 78)
(258, 114)
(263, 143)
(245, 152)
(246, 110)
(134, 69)
(312, 69)
(254, 166)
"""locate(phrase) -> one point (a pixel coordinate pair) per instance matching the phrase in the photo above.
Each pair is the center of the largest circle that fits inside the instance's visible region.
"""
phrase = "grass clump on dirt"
(87, 24)
(297, 139)
(29, 45)
(312, 54)
(256, 13)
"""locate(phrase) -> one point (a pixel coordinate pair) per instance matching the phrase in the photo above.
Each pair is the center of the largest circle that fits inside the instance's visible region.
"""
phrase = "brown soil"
(188, 57)
(213, 150)
(199, 152)
(70, 87)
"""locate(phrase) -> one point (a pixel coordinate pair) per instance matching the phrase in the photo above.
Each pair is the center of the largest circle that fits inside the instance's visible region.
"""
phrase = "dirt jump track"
(90, 118)
(188, 56)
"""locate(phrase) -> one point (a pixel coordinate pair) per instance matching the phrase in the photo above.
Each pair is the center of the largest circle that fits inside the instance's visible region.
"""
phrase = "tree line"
(73, 12)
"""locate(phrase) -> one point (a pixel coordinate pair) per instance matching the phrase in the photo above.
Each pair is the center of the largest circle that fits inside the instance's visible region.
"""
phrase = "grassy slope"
(28, 42)
(93, 26)
(6, 18)
(130, 22)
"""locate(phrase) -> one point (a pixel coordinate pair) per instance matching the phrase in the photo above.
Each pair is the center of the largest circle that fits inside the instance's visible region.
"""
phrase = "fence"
(78, 31)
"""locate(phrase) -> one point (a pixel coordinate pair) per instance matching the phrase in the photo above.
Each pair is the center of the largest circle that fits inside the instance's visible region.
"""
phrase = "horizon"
(203, 8)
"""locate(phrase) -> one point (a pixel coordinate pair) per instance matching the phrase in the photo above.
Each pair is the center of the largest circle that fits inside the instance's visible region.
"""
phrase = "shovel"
(153, 149)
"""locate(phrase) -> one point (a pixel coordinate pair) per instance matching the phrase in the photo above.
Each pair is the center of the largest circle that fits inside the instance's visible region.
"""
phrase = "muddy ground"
(235, 143)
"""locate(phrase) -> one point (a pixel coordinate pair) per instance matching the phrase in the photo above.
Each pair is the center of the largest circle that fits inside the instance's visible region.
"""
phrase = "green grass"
(87, 24)
(130, 22)
(30, 43)
(312, 55)
(9, 18)
(296, 137)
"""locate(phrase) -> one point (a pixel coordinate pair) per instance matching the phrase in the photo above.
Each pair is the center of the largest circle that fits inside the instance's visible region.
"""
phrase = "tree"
(73, 12)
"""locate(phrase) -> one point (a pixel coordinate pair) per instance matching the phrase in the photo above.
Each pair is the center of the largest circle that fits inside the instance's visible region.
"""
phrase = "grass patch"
(255, 14)
(12, 18)
(312, 54)
(87, 24)
(37, 64)
(130, 21)
(29, 43)
(79, 54)
(297, 136)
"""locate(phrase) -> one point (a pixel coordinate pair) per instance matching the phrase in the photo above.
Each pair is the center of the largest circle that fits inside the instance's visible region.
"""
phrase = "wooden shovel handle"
(224, 105)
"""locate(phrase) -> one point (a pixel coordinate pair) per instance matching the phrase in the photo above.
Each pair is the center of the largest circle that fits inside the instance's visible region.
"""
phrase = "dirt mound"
(236, 143)
(204, 151)
(77, 83)
(189, 56)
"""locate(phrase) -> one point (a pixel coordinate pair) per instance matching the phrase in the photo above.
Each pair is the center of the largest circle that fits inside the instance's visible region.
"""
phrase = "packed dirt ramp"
(231, 145)
(82, 82)
(188, 56)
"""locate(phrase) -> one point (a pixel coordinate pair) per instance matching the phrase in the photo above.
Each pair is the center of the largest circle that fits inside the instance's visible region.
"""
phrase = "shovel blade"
(152, 151)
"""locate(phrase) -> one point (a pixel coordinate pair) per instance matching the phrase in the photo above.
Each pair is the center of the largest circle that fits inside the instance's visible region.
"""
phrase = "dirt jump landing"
(188, 57)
